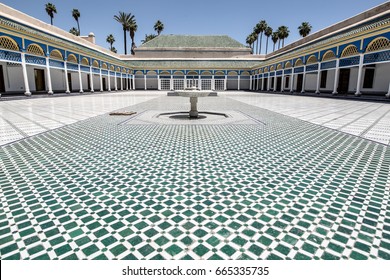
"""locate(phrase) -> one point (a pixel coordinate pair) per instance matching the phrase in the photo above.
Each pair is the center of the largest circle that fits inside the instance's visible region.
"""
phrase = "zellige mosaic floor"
(274, 187)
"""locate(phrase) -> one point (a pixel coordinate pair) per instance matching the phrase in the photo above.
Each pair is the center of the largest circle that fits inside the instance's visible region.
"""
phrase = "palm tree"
(123, 19)
(74, 31)
(257, 30)
(148, 37)
(158, 27)
(113, 49)
(251, 39)
(76, 16)
(285, 33)
(51, 10)
(110, 39)
(267, 32)
(263, 26)
(132, 28)
(275, 38)
(304, 29)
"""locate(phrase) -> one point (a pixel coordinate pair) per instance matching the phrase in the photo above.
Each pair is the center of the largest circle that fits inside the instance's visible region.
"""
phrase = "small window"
(369, 78)
(324, 77)
(287, 82)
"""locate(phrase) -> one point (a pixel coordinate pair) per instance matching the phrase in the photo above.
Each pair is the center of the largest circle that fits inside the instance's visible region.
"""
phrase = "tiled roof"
(192, 41)
(194, 64)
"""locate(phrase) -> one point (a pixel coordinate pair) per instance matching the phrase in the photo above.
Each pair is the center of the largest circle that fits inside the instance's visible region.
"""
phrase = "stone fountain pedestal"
(193, 94)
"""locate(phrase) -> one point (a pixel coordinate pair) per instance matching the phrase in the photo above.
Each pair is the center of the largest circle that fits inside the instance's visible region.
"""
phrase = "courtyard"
(283, 177)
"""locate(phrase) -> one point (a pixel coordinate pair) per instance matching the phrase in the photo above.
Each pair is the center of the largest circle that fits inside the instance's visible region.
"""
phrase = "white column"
(250, 83)
(101, 80)
(292, 81)
(262, 82)
(171, 83)
(304, 79)
(213, 83)
(48, 76)
(25, 78)
(388, 92)
(145, 86)
(91, 78)
(127, 81)
(133, 77)
(199, 83)
(282, 83)
(66, 78)
(238, 82)
(116, 81)
(336, 77)
(360, 74)
(275, 80)
(158, 82)
(121, 81)
(80, 80)
(269, 82)
(185, 81)
(109, 80)
(318, 78)
(225, 83)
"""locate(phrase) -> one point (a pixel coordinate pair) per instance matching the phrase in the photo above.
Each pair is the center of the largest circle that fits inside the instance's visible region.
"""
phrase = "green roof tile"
(195, 64)
(192, 41)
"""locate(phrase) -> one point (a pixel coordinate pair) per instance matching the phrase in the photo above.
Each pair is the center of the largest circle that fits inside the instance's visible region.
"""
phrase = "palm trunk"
(283, 44)
(261, 38)
(257, 45)
(78, 26)
(124, 36)
(51, 20)
(266, 46)
(274, 46)
(279, 44)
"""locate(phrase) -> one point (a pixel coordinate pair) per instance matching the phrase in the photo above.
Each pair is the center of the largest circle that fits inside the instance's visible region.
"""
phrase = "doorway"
(70, 82)
(2, 85)
(278, 83)
(344, 81)
(104, 84)
(39, 79)
(299, 82)
(265, 84)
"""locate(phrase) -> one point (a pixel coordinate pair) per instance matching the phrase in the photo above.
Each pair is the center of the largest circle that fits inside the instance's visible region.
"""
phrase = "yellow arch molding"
(8, 43)
(312, 59)
(56, 54)
(378, 44)
(35, 50)
(329, 55)
(350, 50)
(72, 58)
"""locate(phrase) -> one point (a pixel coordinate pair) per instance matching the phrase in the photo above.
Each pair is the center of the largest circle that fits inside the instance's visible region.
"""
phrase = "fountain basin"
(193, 94)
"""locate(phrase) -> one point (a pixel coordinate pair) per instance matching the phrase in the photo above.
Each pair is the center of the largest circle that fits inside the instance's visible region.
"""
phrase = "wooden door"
(344, 80)
(39, 79)
(2, 85)
(299, 82)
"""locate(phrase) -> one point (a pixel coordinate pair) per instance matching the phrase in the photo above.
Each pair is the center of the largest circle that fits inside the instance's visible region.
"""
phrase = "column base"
(358, 94)
(387, 95)
(67, 92)
(81, 91)
(334, 93)
(317, 92)
(302, 91)
(50, 92)
(27, 93)
(92, 91)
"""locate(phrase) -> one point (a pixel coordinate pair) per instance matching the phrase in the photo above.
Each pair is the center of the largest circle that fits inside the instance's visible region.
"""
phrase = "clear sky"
(196, 17)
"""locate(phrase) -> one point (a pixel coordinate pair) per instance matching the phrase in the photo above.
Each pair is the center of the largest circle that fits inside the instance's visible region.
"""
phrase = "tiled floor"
(369, 120)
(27, 117)
(270, 187)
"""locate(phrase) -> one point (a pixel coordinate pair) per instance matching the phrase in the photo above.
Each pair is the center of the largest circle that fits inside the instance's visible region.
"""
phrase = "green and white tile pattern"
(282, 188)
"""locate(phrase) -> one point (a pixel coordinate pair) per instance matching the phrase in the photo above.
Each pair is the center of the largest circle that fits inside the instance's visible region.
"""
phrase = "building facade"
(351, 57)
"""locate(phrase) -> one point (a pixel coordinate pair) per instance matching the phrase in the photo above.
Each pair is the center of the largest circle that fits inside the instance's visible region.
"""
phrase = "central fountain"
(193, 93)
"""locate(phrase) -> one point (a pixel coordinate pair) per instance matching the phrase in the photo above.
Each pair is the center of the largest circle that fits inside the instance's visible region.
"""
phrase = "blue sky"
(199, 17)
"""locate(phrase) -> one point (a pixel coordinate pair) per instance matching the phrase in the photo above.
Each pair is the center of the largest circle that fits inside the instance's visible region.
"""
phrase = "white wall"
(353, 79)
(232, 84)
(381, 78)
(96, 82)
(58, 81)
(311, 81)
(152, 83)
(13, 78)
(329, 81)
(139, 83)
(244, 84)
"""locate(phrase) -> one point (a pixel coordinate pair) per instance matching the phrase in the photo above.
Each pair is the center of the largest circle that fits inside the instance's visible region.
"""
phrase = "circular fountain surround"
(193, 93)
